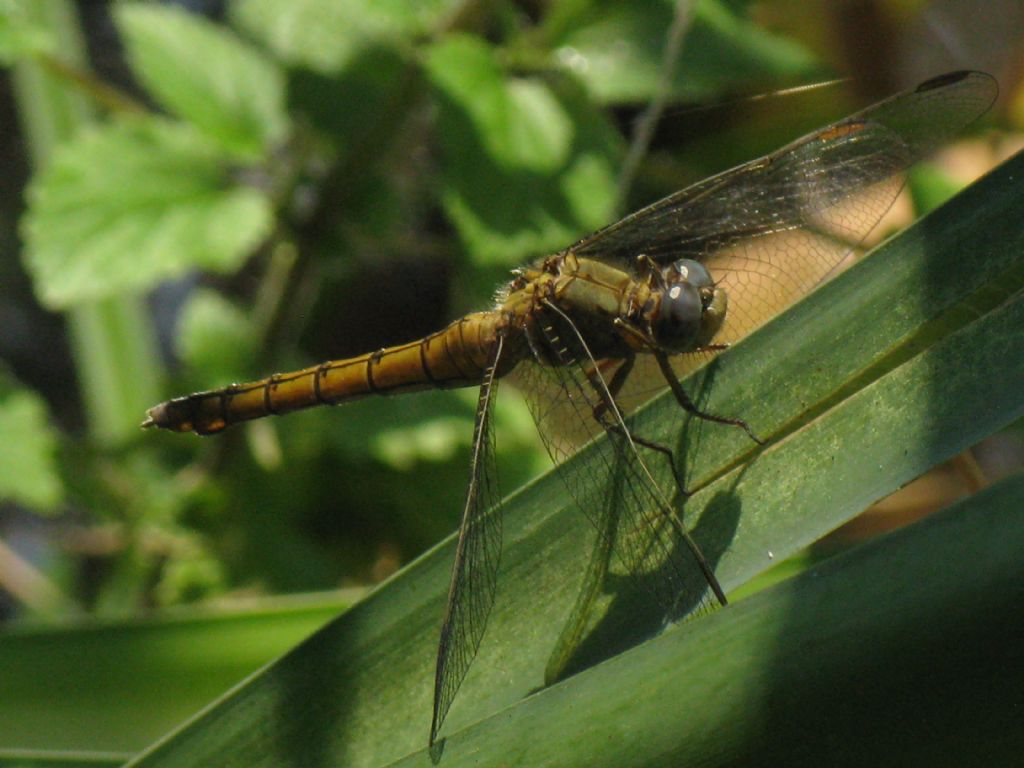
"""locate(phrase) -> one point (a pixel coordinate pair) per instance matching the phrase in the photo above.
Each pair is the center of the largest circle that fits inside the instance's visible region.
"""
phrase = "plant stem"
(112, 341)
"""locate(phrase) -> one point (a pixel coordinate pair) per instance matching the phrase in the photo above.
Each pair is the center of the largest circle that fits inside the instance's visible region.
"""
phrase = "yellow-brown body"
(590, 293)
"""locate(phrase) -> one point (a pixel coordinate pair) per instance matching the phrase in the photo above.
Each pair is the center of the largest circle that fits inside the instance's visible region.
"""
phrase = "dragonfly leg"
(649, 268)
(690, 407)
(669, 455)
(611, 412)
(600, 412)
(643, 339)
(712, 348)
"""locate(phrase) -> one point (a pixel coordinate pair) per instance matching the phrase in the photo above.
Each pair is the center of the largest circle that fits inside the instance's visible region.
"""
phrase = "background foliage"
(193, 200)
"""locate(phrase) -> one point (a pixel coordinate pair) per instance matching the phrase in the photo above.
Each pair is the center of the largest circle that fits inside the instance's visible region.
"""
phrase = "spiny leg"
(637, 495)
(690, 407)
(607, 400)
(601, 411)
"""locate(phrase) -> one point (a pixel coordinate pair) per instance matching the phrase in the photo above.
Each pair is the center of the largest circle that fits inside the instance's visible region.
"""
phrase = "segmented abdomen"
(453, 357)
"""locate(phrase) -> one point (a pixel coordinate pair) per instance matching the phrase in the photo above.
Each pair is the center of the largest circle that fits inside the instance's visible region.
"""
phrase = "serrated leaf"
(325, 35)
(20, 35)
(231, 92)
(28, 452)
(616, 48)
(216, 338)
(128, 204)
(527, 168)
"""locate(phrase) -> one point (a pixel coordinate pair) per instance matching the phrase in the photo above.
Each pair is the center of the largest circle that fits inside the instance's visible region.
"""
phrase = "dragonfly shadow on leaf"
(643, 570)
(631, 615)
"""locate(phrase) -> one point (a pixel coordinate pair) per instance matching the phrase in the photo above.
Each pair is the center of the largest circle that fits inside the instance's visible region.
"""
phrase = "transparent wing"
(771, 229)
(477, 555)
(613, 485)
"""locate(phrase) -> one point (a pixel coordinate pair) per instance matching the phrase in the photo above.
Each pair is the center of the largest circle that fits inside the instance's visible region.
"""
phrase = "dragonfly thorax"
(692, 308)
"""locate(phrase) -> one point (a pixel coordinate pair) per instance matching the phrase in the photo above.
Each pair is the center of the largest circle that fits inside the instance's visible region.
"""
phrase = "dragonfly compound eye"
(692, 307)
(691, 271)
(679, 317)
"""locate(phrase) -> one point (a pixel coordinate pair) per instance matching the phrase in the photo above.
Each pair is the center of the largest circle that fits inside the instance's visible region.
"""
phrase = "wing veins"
(477, 555)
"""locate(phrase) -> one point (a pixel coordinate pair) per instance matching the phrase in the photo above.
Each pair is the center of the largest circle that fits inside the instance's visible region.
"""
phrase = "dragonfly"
(686, 276)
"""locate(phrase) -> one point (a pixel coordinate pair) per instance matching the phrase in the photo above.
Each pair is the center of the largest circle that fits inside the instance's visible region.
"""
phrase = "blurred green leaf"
(189, 577)
(216, 338)
(359, 107)
(125, 205)
(19, 758)
(430, 430)
(325, 36)
(616, 48)
(112, 341)
(20, 35)
(930, 187)
(435, 440)
(28, 451)
(528, 168)
(233, 93)
(119, 685)
(519, 122)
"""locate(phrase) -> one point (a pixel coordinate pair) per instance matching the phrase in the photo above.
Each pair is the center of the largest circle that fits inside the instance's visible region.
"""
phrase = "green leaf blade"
(875, 642)
(21, 34)
(126, 205)
(216, 337)
(24, 758)
(326, 36)
(28, 451)
(615, 48)
(233, 93)
(528, 167)
(143, 676)
(359, 692)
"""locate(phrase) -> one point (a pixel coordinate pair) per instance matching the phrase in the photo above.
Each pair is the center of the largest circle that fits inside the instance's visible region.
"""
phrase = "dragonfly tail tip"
(155, 417)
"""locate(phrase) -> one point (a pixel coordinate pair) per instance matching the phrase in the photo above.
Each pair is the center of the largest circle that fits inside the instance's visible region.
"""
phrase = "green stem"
(112, 341)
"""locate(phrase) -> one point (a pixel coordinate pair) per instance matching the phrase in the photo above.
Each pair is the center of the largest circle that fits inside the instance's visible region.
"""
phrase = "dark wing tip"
(951, 78)
(981, 85)
(941, 81)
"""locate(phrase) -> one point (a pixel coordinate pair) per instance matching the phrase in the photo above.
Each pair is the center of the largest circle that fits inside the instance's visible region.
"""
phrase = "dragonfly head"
(692, 307)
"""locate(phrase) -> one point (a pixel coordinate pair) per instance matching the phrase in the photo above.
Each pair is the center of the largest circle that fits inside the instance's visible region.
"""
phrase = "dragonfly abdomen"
(453, 357)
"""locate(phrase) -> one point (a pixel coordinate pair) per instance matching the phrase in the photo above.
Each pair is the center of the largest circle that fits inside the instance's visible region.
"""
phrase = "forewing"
(477, 555)
(770, 230)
